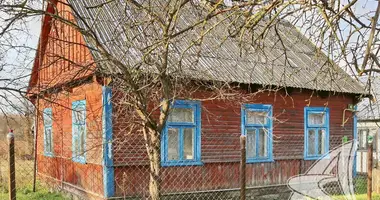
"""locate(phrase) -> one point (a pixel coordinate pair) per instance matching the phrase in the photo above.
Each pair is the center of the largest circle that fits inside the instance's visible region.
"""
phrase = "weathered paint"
(196, 106)
(78, 105)
(268, 126)
(88, 176)
(308, 110)
(220, 148)
(59, 40)
(219, 142)
(108, 168)
(210, 176)
(62, 54)
(221, 127)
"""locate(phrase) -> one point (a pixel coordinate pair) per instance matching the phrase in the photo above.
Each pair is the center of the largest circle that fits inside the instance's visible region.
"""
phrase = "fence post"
(11, 167)
(242, 166)
(369, 168)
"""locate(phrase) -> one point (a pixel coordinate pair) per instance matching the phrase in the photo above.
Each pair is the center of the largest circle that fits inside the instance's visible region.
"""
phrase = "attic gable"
(62, 55)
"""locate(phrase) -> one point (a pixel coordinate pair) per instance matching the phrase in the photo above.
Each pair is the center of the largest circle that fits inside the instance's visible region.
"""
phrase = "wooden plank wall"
(220, 150)
(60, 167)
(66, 57)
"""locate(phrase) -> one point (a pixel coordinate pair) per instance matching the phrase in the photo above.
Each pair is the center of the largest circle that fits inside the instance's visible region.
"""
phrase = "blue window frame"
(79, 131)
(256, 125)
(48, 132)
(317, 133)
(181, 138)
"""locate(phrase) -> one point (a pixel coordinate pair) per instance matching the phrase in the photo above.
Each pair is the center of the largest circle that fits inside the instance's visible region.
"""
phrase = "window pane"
(263, 143)
(321, 141)
(82, 140)
(48, 121)
(311, 142)
(173, 153)
(48, 140)
(363, 135)
(188, 138)
(79, 117)
(76, 147)
(45, 140)
(374, 143)
(181, 115)
(251, 143)
(316, 118)
(256, 117)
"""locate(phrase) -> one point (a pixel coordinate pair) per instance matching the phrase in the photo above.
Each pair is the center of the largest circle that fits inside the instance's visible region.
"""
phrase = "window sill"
(48, 154)
(319, 157)
(181, 163)
(259, 160)
(81, 160)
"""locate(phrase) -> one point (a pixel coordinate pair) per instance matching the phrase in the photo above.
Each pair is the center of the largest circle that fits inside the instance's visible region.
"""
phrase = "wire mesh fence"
(212, 180)
(217, 176)
(220, 179)
(24, 154)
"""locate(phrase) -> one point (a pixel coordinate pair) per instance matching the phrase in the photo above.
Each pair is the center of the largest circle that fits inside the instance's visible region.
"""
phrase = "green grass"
(360, 184)
(27, 194)
(358, 197)
(24, 179)
(24, 174)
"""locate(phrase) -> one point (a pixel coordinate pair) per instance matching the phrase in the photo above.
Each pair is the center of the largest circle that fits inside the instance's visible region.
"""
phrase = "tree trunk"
(153, 143)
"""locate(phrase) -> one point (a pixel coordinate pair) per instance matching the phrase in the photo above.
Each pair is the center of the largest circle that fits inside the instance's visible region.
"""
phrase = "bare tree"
(151, 49)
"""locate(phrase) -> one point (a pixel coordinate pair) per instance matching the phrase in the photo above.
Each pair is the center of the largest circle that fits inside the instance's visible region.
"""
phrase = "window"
(181, 138)
(79, 131)
(316, 122)
(257, 126)
(363, 140)
(48, 131)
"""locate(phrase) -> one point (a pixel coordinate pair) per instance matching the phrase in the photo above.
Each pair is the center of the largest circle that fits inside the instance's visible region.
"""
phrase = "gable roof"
(220, 58)
(370, 110)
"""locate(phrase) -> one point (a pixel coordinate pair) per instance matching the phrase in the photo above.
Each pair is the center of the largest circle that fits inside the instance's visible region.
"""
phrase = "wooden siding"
(88, 176)
(210, 176)
(65, 57)
(220, 148)
(221, 128)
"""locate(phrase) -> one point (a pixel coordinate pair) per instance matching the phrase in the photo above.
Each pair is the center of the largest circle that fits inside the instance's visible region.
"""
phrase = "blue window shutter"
(267, 126)
(195, 106)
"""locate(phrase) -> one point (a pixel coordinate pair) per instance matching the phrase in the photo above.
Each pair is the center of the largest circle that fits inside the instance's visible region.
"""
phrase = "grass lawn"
(42, 194)
(358, 197)
(24, 179)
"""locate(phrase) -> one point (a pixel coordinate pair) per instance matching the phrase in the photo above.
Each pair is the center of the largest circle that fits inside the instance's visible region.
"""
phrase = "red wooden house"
(80, 149)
